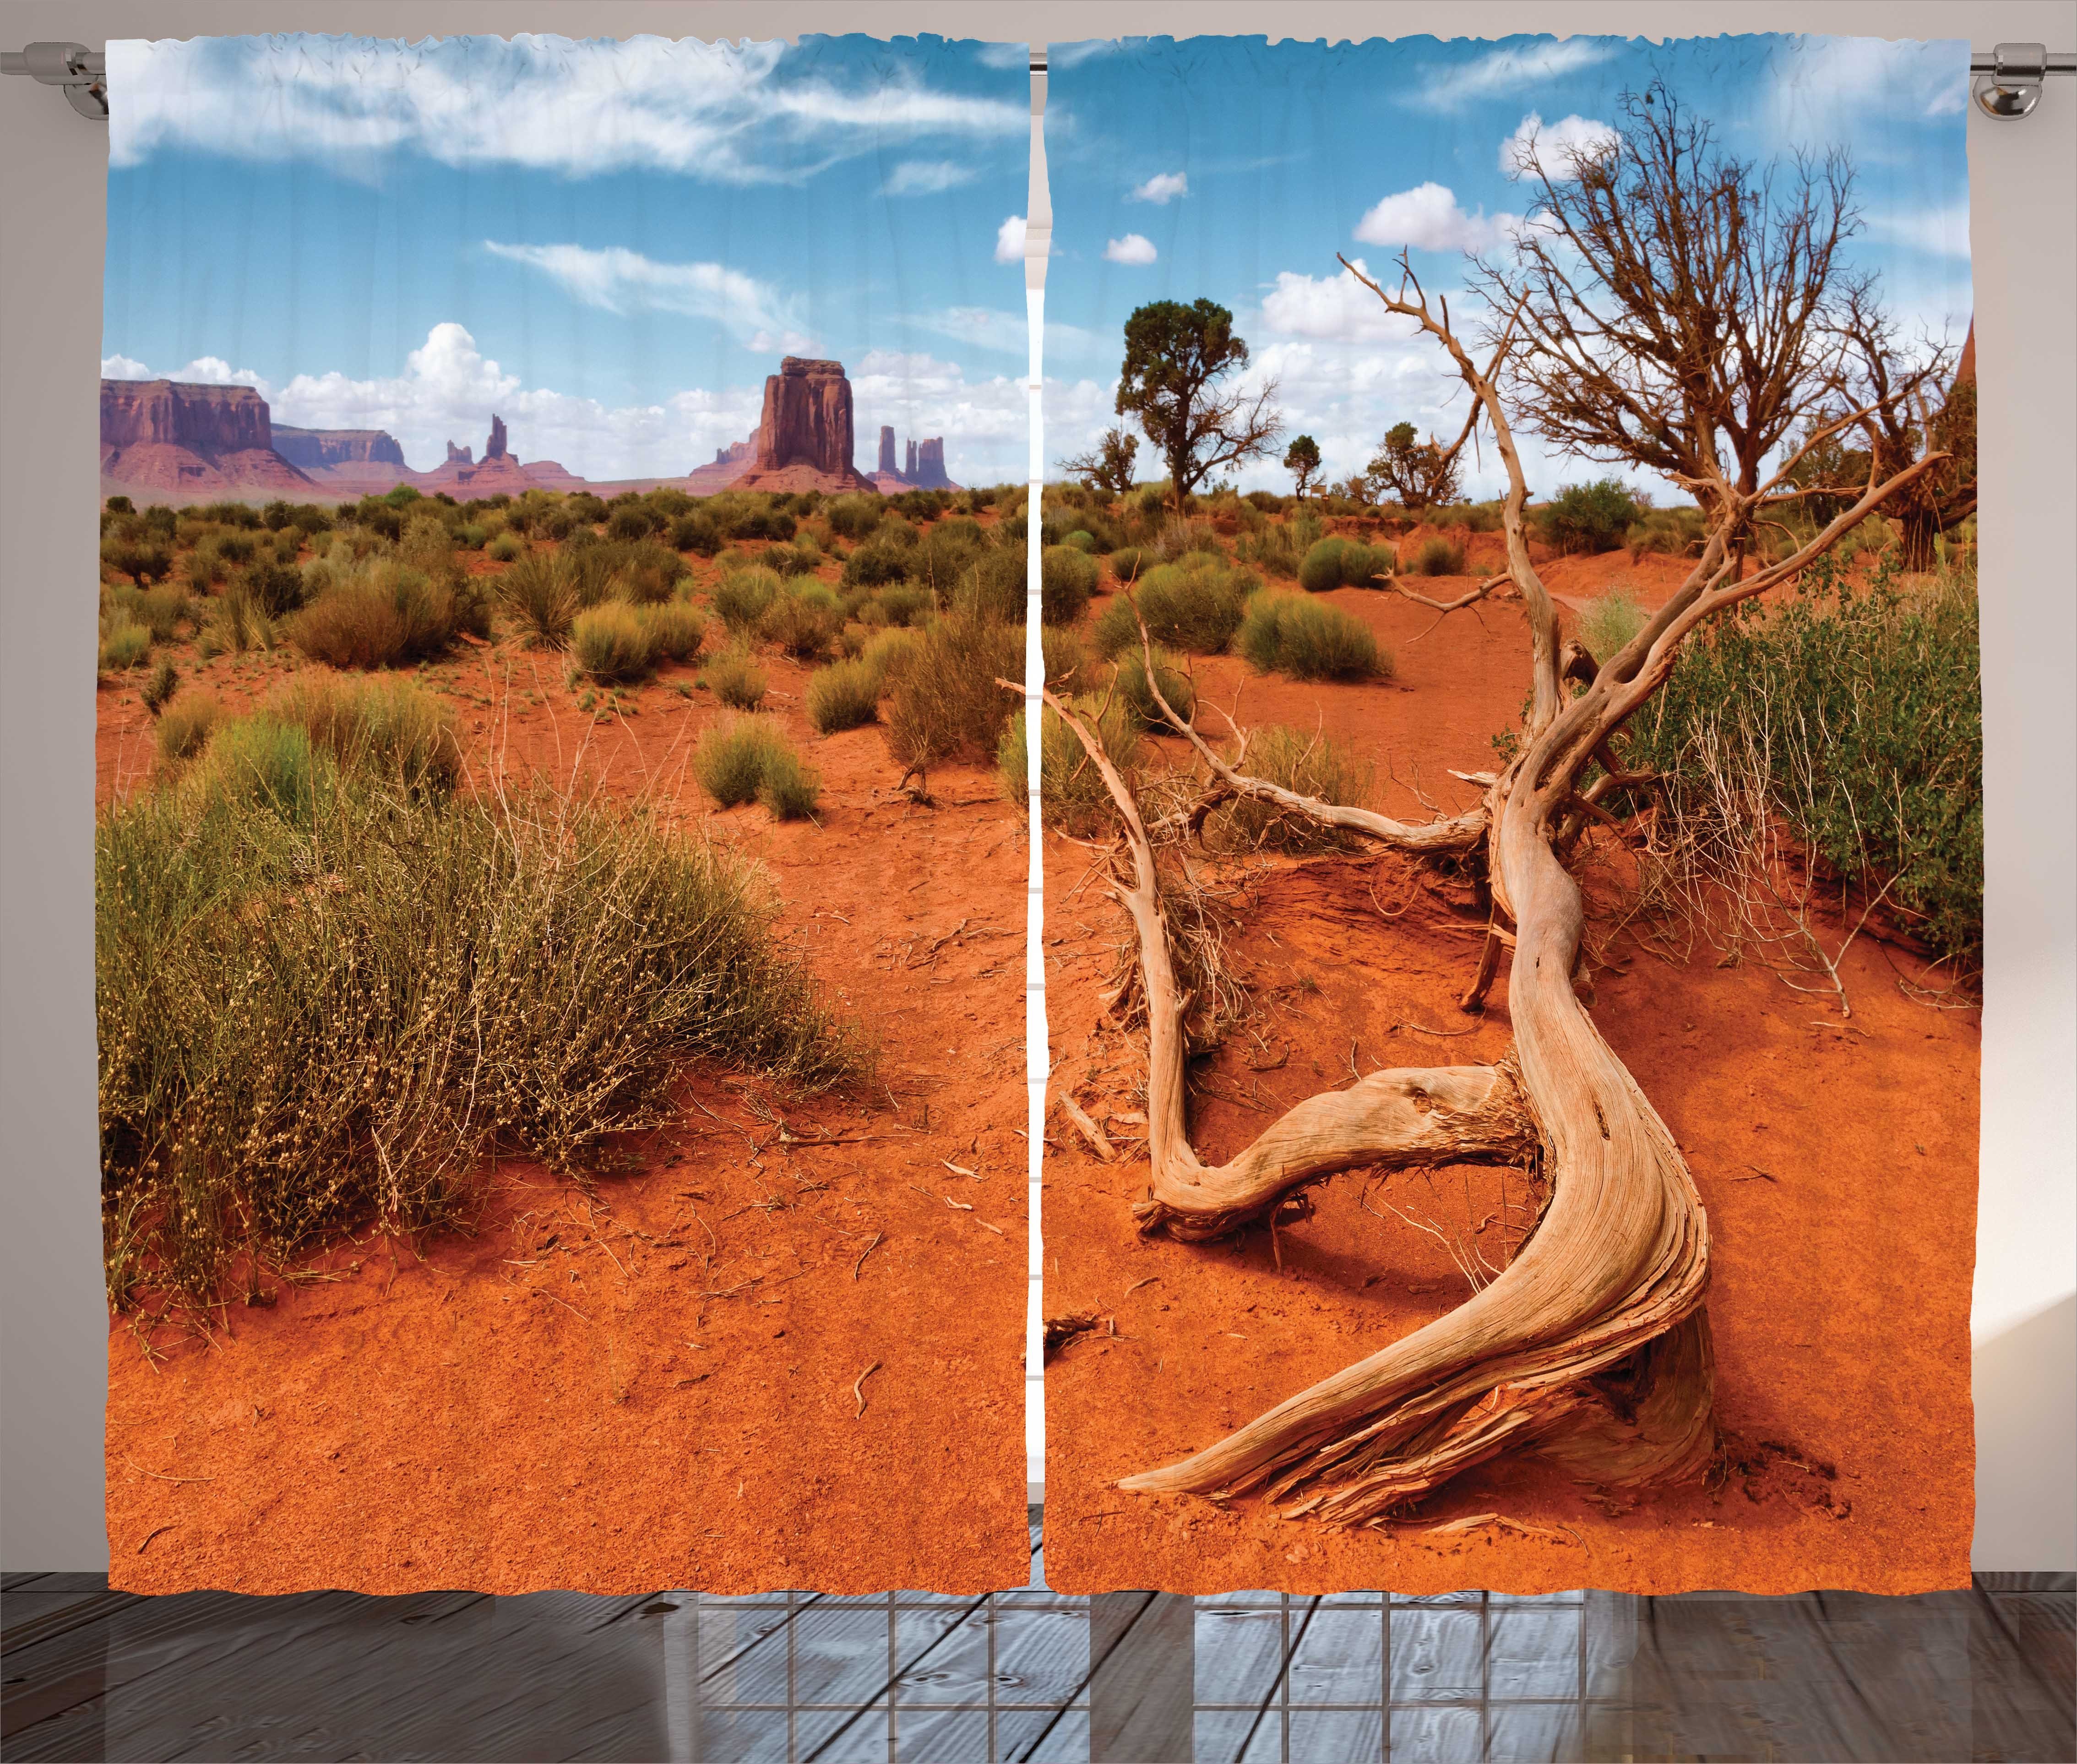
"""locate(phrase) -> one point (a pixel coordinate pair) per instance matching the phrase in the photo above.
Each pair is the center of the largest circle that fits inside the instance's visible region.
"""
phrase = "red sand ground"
(1837, 1162)
(552, 1401)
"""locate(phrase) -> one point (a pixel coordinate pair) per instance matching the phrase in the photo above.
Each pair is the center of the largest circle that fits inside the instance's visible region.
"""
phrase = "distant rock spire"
(494, 447)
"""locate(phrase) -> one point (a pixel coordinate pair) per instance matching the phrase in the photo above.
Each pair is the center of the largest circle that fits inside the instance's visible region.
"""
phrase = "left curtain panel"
(559, 923)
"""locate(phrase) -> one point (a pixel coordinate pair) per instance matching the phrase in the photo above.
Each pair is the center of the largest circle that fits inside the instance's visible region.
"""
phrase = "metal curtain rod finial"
(83, 73)
(2007, 80)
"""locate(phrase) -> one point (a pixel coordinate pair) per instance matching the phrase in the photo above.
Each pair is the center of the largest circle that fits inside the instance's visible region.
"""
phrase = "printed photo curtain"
(1499, 564)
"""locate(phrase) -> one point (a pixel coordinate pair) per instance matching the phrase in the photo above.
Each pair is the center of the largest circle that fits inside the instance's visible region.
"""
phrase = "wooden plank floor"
(1029, 1674)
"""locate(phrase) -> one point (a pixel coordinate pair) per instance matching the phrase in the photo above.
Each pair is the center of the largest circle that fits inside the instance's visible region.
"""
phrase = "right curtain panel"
(1513, 799)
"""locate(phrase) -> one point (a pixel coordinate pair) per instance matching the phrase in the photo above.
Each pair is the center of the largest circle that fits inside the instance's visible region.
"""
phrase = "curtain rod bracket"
(2008, 80)
(80, 72)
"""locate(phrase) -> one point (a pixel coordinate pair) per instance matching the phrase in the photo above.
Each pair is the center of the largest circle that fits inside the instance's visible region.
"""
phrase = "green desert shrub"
(746, 759)
(1128, 564)
(158, 691)
(790, 787)
(734, 677)
(1309, 763)
(393, 727)
(233, 624)
(1858, 712)
(631, 522)
(854, 515)
(1081, 539)
(884, 559)
(888, 651)
(1073, 795)
(1309, 639)
(844, 695)
(1608, 621)
(160, 610)
(123, 645)
(803, 619)
(543, 592)
(1196, 604)
(183, 728)
(741, 598)
(1343, 562)
(644, 574)
(316, 1020)
(1437, 555)
(1676, 532)
(1589, 517)
(146, 559)
(992, 588)
(387, 614)
(278, 589)
(1130, 685)
(944, 703)
(677, 629)
(1067, 579)
(613, 643)
(1065, 654)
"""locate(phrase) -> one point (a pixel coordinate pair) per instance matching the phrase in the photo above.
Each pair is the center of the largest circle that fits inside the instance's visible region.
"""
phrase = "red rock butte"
(804, 439)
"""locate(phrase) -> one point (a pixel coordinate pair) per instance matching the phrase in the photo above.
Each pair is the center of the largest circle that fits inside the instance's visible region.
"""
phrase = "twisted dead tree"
(1592, 1347)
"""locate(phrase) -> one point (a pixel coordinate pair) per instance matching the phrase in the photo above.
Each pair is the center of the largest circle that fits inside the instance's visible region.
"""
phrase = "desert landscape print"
(1513, 803)
(559, 913)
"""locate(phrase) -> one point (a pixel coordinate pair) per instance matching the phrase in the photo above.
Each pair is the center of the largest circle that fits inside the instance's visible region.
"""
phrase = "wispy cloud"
(1556, 147)
(926, 177)
(1134, 248)
(1818, 80)
(1163, 187)
(617, 280)
(1501, 71)
(1941, 231)
(1429, 217)
(729, 113)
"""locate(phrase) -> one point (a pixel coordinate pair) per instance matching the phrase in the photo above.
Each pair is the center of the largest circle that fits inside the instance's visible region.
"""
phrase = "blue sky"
(610, 243)
(1232, 169)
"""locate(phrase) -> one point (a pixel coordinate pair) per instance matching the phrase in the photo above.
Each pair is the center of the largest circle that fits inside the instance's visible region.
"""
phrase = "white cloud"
(1429, 218)
(1337, 307)
(619, 280)
(1941, 232)
(926, 177)
(1555, 147)
(1503, 70)
(1010, 240)
(730, 113)
(1134, 248)
(1163, 187)
(203, 371)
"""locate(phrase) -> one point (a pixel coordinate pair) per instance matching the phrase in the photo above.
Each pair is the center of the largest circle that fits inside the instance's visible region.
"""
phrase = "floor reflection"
(1029, 1675)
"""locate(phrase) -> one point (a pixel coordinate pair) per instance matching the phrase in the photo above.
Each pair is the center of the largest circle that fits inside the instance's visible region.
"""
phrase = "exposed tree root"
(1591, 1346)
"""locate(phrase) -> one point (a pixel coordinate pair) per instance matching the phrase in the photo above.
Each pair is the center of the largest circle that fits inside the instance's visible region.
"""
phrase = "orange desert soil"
(1836, 1160)
(657, 1384)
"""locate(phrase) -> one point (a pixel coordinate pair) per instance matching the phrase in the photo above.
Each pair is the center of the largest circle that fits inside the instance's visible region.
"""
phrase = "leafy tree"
(1107, 467)
(1176, 382)
(1416, 474)
(1301, 459)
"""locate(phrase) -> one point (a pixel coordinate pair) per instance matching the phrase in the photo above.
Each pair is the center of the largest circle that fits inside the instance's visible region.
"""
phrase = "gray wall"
(2024, 224)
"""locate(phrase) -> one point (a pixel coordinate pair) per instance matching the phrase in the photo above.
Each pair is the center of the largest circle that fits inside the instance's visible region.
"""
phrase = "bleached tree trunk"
(1593, 1344)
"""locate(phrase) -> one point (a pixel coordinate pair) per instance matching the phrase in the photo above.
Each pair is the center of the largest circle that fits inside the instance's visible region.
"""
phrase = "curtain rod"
(2007, 83)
